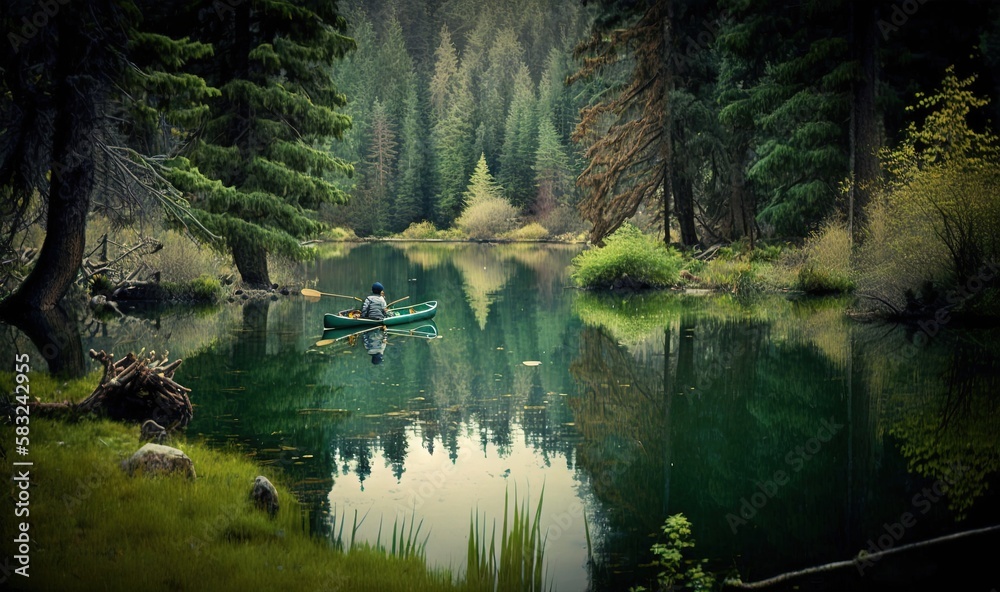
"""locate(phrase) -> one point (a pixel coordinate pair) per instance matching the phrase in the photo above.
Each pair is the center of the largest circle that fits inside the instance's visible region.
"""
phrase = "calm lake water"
(788, 434)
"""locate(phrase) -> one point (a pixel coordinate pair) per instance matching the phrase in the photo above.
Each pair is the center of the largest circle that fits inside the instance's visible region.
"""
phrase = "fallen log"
(134, 389)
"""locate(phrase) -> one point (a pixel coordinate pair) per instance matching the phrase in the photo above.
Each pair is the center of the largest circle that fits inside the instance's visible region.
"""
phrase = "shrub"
(816, 280)
(936, 217)
(488, 217)
(629, 259)
(338, 233)
(827, 266)
(563, 220)
(205, 288)
(420, 230)
(182, 260)
(733, 275)
(533, 231)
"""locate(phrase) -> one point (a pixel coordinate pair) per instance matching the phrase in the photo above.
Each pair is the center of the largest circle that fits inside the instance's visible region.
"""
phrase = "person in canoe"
(374, 306)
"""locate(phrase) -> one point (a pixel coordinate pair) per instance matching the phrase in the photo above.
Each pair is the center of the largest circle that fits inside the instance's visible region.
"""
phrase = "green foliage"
(629, 258)
(670, 556)
(487, 213)
(679, 573)
(258, 168)
(937, 216)
(482, 186)
(789, 81)
(519, 142)
(339, 234)
(553, 177)
(733, 275)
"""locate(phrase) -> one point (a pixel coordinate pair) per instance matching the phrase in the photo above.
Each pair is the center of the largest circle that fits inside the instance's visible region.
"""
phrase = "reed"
(521, 563)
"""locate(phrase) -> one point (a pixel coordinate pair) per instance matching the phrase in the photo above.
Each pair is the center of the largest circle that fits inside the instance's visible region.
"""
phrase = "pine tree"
(628, 133)
(504, 60)
(373, 199)
(482, 186)
(520, 140)
(453, 141)
(411, 193)
(394, 71)
(445, 73)
(79, 98)
(263, 142)
(797, 94)
(552, 170)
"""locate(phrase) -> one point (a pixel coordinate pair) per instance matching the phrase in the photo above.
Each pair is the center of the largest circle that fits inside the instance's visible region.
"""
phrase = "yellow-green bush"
(420, 230)
(533, 231)
(629, 259)
(338, 233)
(488, 217)
(936, 218)
(827, 266)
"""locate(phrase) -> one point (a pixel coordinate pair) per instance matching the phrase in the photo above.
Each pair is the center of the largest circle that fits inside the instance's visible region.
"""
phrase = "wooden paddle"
(395, 301)
(309, 293)
(413, 333)
(323, 342)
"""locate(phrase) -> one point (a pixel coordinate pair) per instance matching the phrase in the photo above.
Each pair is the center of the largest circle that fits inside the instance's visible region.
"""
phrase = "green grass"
(93, 527)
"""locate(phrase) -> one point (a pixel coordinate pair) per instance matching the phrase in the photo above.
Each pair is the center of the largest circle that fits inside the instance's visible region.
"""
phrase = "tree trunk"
(866, 129)
(72, 174)
(57, 338)
(252, 263)
(741, 210)
(666, 143)
(684, 205)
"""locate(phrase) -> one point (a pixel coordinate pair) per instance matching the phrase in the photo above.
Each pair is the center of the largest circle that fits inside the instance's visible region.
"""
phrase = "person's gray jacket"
(373, 307)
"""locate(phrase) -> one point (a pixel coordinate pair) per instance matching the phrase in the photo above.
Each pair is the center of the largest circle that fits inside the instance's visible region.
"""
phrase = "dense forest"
(255, 125)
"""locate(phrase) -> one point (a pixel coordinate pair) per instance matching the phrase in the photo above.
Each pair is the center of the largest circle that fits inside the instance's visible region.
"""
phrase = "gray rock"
(264, 496)
(156, 459)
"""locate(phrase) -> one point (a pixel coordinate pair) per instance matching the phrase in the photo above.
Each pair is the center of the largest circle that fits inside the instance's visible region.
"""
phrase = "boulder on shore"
(156, 459)
(264, 496)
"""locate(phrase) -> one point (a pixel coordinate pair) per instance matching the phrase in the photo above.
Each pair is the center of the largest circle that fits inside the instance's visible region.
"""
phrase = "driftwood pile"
(138, 389)
(134, 388)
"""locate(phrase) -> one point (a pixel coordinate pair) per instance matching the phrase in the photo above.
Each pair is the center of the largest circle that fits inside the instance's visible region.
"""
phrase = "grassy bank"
(93, 527)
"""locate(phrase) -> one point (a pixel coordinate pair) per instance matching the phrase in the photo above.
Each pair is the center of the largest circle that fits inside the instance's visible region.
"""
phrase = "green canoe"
(402, 314)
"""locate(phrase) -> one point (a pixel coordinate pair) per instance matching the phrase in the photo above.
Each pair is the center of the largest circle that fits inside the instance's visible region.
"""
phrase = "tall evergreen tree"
(79, 97)
(453, 141)
(482, 186)
(264, 139)
(412, 188)
(445, 73)
(520, 140)
(552, 170)
(629, 132)
(504, 63)
(799, 76)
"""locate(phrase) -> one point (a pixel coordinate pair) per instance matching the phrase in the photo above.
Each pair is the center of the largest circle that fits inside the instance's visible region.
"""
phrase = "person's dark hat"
(377, 359)
(377, 288)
